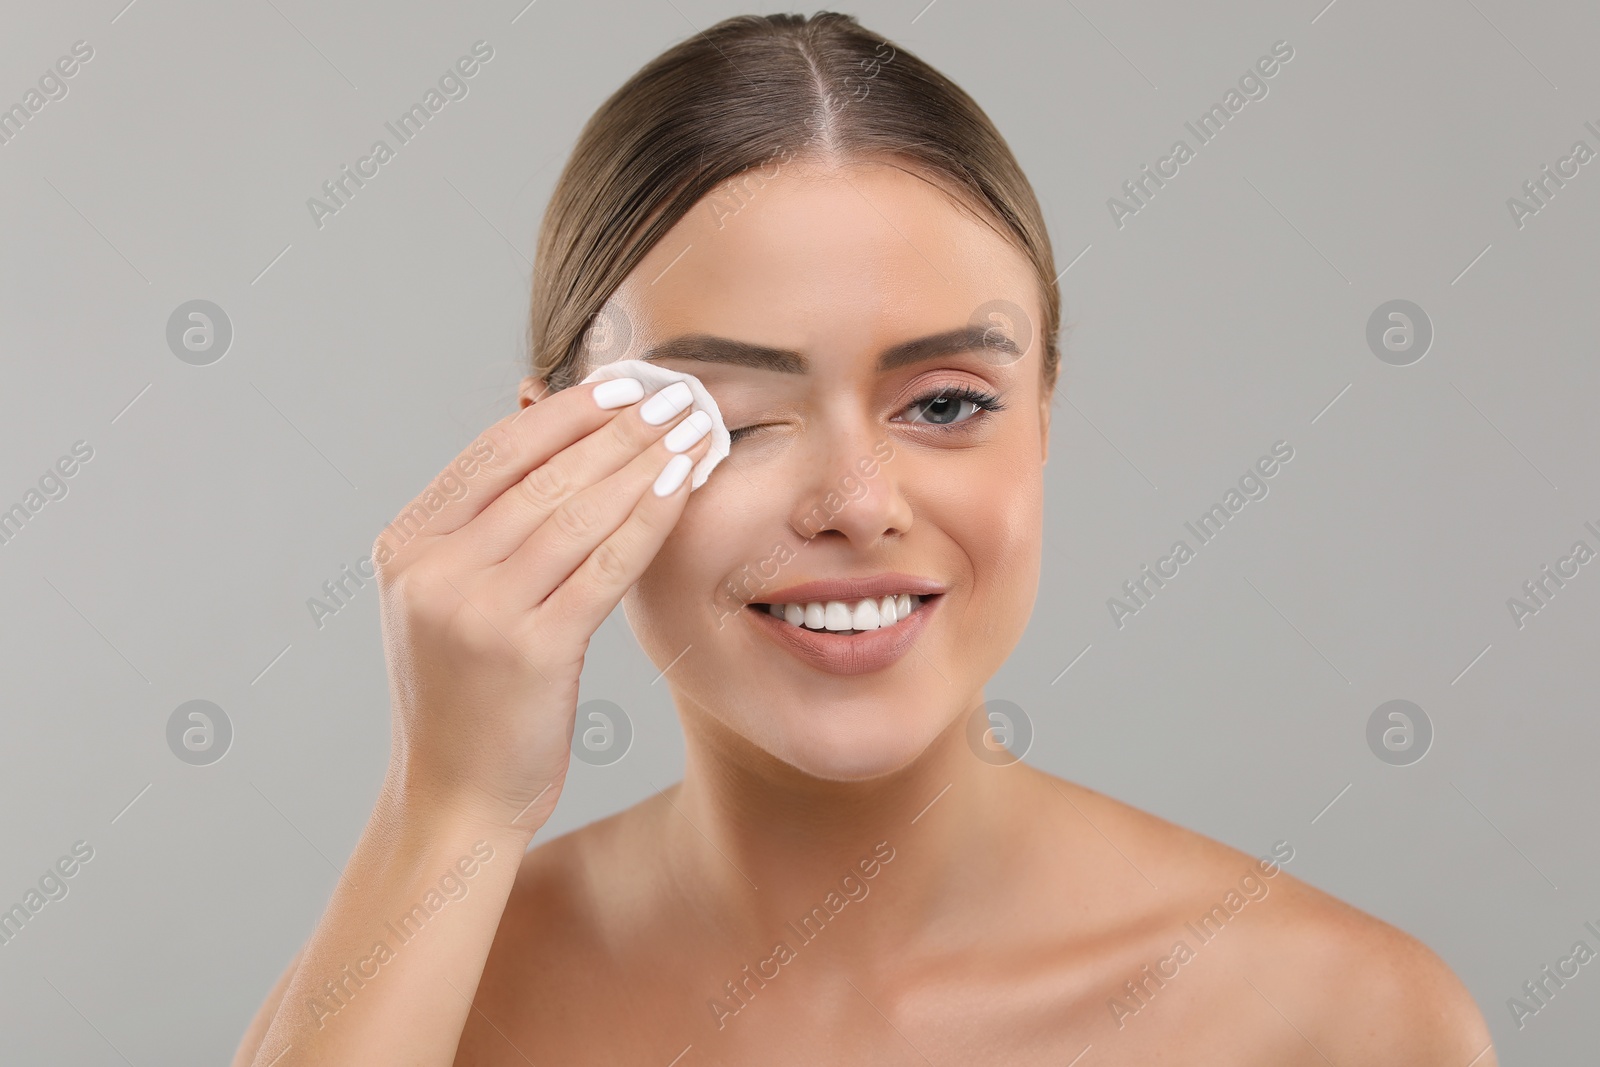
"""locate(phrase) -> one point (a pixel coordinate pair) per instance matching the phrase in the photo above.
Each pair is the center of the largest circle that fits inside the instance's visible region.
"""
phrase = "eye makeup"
(981, 401)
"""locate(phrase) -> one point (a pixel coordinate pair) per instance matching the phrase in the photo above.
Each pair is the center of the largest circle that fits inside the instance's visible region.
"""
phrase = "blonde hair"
(751, 89)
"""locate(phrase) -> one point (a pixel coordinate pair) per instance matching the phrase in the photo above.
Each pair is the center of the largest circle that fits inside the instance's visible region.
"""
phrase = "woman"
(820, 228)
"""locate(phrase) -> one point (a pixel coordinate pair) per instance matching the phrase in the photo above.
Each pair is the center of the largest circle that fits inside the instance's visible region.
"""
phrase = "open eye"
(952, 406)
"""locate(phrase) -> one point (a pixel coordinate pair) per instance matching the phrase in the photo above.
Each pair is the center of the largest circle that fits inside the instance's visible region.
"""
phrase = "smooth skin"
(992, 913)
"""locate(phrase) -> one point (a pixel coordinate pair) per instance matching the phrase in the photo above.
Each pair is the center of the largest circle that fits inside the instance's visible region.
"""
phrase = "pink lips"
(861, 653)
(850, 589)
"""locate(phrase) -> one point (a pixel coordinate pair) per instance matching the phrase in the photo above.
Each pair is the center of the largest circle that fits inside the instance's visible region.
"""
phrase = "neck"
(771, 843)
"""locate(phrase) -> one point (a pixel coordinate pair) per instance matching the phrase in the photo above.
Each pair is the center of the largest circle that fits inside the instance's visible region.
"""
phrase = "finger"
(507, 522)
(562, 542)
(583, 601)
(502, 455)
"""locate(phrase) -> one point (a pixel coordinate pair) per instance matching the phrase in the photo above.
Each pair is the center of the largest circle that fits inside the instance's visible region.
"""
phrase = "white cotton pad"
(654, 376)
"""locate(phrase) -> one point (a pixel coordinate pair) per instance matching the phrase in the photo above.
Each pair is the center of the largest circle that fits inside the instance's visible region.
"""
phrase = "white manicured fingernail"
(665, 404)
(618, 392)
(672, 475)
(687, 432)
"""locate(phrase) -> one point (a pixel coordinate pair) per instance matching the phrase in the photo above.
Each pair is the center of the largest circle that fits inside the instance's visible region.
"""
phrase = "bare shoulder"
(561, 953)
(1307, 975)
(1376, 994)
(572, 905)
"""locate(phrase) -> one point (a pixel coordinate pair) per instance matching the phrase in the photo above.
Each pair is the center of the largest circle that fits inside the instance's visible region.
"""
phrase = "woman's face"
(851, 469)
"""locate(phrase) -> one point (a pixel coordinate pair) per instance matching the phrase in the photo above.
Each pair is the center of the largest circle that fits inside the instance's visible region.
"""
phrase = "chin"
(846, 744)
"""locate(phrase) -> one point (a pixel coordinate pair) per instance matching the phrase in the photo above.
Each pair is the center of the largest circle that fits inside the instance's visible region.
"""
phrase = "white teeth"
(837, 615)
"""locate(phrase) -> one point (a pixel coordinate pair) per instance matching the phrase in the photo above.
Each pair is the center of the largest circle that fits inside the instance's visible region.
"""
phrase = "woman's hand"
(493, 581)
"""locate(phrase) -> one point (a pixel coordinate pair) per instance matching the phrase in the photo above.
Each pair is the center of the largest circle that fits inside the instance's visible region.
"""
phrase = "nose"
(851, 489)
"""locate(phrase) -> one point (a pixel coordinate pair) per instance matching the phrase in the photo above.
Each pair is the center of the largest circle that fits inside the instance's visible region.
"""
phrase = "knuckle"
(424, 592)
(544, 488)
(577, 519)
(393, 555)
(610, 562)
(384, 560)
(497, 442)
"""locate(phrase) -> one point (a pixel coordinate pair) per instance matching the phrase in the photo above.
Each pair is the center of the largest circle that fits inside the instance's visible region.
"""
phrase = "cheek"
(1022, 509)
(1011, 514)
(993, 516)
(697, 576)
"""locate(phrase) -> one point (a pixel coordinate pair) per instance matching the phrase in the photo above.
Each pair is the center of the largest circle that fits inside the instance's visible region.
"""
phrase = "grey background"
(1230, 313)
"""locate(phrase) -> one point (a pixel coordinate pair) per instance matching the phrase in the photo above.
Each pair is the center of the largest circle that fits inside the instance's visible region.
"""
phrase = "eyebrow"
(708, 348)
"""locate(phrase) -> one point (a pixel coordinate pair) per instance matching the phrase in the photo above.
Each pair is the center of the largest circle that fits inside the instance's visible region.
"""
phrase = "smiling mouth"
(847, 618)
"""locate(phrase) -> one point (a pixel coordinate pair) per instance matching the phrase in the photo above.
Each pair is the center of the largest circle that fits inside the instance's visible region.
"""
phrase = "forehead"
(824, 258)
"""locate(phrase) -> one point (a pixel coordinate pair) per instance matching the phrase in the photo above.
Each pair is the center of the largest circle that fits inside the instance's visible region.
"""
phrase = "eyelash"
(982, 401)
